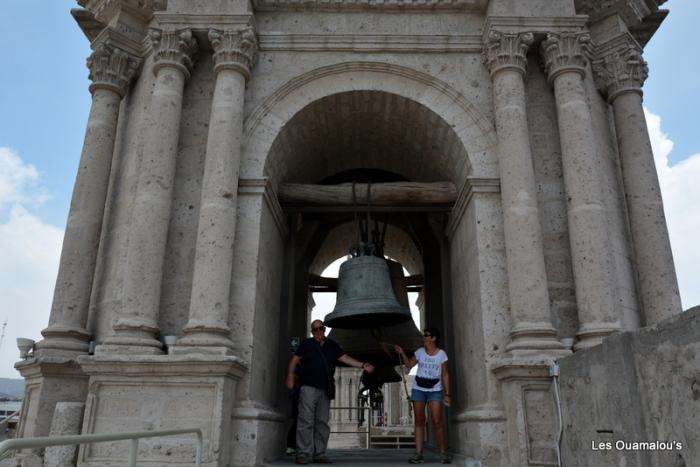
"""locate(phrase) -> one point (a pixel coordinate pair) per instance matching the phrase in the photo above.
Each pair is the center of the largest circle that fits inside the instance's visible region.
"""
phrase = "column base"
(62, 341)
(479, 432)
(207, 341)
(532, 424)
(259, 432)
(130, 342)
(590, 335)
(536, 338)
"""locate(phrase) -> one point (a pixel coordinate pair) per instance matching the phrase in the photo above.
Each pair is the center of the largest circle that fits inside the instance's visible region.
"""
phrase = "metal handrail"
(44, 441)
(5, 421)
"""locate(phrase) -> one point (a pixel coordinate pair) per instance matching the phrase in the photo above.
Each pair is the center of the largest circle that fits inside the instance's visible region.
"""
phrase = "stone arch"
(470, 127)
(399, 245)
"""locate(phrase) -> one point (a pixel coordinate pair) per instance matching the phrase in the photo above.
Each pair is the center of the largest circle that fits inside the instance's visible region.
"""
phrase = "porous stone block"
(637, 387)
(143, 393)
(67, 420)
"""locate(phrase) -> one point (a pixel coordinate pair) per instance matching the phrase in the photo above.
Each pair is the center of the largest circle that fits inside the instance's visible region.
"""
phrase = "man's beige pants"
(312, 424)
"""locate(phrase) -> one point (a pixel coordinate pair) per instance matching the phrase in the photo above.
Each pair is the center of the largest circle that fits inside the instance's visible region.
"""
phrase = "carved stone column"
(136, 326)
(209, 306)
(621, 72)
(505, 55)
(111, 70)
(565, 64)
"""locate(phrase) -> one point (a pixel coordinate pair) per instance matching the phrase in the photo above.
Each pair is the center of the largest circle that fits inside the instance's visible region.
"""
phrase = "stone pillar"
(137, 326)
(564, 55)
(621, 74)
(505, 55)
(111, 70)
(209, 307)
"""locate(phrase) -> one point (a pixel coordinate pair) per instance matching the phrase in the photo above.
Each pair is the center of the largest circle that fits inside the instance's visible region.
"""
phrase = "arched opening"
(366, 137)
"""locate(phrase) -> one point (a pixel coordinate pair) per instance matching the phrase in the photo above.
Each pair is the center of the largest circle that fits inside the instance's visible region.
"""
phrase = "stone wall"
(641, 386)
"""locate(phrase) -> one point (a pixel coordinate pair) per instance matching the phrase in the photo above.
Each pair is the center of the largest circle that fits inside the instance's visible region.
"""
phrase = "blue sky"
(44, 102)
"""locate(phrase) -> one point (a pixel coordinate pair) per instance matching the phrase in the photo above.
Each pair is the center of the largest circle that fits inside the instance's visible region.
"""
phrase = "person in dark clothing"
(317, 357)
(293, 409)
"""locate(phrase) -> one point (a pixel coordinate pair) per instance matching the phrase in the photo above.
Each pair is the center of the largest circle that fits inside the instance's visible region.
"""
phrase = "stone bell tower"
(510, 137)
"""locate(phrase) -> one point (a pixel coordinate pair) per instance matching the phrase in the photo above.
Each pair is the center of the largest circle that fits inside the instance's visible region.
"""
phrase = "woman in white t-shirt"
(431, 387)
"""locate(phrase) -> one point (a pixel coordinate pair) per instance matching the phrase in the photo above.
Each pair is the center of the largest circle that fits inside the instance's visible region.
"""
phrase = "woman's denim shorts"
(425, 396)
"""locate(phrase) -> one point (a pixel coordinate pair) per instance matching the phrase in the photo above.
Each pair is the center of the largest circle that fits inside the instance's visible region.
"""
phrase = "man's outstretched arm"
(348, 360)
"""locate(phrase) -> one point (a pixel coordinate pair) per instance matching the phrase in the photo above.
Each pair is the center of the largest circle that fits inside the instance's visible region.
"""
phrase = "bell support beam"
(391, 194)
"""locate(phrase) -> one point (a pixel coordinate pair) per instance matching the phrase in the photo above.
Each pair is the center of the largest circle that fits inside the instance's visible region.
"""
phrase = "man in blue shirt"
(317, 356)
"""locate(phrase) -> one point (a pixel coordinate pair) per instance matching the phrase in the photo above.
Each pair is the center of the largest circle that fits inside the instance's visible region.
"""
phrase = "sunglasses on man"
(319, 328)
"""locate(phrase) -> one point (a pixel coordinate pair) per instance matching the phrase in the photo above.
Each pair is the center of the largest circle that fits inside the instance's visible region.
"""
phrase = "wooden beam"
(330, 284)
(381, 194)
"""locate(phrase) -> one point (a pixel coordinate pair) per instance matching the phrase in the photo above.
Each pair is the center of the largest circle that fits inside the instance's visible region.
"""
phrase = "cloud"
(29, 252)
(681, 193)
(19, 182)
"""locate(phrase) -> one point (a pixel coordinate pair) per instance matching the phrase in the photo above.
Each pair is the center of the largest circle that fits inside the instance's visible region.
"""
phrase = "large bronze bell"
(365, 297)
(375, 345)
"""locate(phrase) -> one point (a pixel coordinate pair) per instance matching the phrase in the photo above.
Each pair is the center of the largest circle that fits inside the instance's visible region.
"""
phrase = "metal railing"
(6, 421)
(45, 441)
(367, 433)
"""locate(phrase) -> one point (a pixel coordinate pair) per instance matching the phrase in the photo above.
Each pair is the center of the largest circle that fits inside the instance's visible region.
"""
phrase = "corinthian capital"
(173, 48)
(566, 51)
(621, 69)
(234, 49)
(111, 68)
(506, 50)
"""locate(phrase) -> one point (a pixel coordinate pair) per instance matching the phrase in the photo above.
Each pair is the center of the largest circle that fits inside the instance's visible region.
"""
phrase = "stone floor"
(378, 458)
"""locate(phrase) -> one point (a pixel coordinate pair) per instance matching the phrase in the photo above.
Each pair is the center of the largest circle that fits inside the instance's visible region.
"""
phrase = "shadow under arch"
(465, 122)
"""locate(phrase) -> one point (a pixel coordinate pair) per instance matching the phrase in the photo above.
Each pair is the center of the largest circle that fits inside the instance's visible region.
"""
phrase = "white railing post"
(133, 451)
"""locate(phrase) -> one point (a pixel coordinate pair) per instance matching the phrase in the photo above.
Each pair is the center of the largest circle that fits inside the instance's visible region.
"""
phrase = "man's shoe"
(416, 459)
(445, 458)
(322, 460)
(301, 460)
(290, 451)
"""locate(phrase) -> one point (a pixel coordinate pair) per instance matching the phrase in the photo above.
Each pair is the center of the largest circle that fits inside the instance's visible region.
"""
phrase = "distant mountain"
(12, 387)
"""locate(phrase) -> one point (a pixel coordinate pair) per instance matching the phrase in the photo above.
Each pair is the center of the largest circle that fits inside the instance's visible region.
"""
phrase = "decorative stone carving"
(506, 50)
(111, 68)
(622, 69)
(234, 49)
(633, 11)
(104, 10)
(275, 5)
(173, 48)
(566, 51)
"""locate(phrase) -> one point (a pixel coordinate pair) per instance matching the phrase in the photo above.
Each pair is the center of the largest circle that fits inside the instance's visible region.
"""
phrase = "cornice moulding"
(642, 17)
(391, 43)
(472, 186)
(105, 10)
(203, 22)
(109, 35)
(539, 25)
(380, 5)
(633, 11)
(263, 187)
(87, 22)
